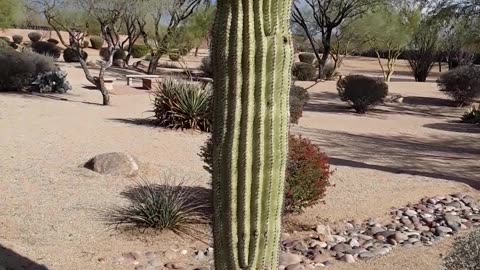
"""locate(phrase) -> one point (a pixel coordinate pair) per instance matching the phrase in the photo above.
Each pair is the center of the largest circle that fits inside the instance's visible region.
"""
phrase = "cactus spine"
(252, 57)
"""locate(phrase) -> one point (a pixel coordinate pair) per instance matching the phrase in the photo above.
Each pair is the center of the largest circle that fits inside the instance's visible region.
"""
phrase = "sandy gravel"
(388, 158)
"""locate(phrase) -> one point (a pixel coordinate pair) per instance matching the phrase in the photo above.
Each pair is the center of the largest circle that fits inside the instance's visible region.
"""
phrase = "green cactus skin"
(252, 57)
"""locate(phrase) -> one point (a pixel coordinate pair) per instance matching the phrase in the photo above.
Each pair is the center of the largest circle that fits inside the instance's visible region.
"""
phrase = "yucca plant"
(160, 207)
(182, 104)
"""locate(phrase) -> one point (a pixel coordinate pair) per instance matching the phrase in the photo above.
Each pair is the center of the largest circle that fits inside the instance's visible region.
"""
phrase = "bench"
(151, 83)
(140, 76)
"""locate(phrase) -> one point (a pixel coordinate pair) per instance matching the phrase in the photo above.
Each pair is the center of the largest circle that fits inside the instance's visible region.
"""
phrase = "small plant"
(304, 72)
(206, 67)
(52, 82)
(298, 97)
(46, 48)
(462, 84)
(70, 55)
(6, 39)
(307, 177)
(97, 42)
(465, 254)
(86, 44)
(4, 45)
(17, 39)
(118, 55)
(472, 115)
(160, 207)
(308, 58)
(362, 92)
(34, 36)
(53, 41)
(139, 51)
(182, 104)
(175, 56)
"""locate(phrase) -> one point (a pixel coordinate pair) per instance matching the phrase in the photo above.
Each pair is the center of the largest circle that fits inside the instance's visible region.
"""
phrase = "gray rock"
(289, 258)
(295, 266)
(405, 220)
(321, 258)
(341, 247)
(354, 243)
(443, 230)
(375, 230)
(366, 255)
(200, 255)
(410, 213)
(117, 164)
(155, 262)
(380, 251)
(348, 258)
(400, 237)
(468, 200)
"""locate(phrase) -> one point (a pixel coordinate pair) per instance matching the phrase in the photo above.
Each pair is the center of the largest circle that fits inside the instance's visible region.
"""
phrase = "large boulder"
(117, 164)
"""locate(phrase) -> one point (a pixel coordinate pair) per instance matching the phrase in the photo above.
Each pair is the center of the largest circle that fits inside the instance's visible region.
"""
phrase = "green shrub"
(465, 254)
(182, 104)
(52, 82)
(34, 36)
(53, 41)
(298, 97)
(362, 92)
(472, 115)
(70, 55)
(206, 67)
(118, 55)
(46, 48)
(175, 56)
(6, 39)
(161, 207)
(308, 58)
(97, 42)
(148, 57)
(307, 176)
(4, 45)
(86, 44)
(304, 71)
(461, 84)
(139, 50)
(17, 39)
(19, 70)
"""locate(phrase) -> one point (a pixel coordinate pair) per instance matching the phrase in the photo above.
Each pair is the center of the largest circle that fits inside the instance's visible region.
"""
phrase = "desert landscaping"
(94, 165)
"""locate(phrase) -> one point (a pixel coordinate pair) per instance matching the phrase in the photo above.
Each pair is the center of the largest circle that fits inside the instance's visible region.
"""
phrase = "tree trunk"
(252, 59)
(327, 47)
(101, 86)
(152, 65)
(196, 51)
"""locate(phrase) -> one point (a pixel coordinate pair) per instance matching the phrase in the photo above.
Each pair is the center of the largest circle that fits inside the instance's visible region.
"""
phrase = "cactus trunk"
(252, 57)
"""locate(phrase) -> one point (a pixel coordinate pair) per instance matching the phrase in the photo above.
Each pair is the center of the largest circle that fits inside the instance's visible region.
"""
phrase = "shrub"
(53, 41)
(461, 84)
(161, 207)
(308, 58)
(19, 70)
(472, 115)
(4, 45)
(465, 254)
(304, 71)
(182, 104)
(206, 67)
(362, 92)
(52, 82)
(97, 42)
(70, 55)
(307, 176)
(139, 51)
(85, 44)
(34, 36)
(174, 56)
(6, 39)
(46, 48)
(118, 55)
(298, 98)
(17, 39)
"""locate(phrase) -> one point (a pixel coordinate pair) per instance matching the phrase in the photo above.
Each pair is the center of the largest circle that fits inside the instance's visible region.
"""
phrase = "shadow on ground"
(455, 127)
(10, 260)
(147, 122)
(454, 159)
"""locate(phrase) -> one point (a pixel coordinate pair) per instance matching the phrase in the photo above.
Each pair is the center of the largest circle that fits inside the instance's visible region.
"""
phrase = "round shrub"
(46, 48)
(53, 41)
(85, 44)
(298, 97)
(118, 55)
(308, 58)
(307, 176)
(362, 92)
(139, 50)
(34, 36)
(465, 254)
(70, 55)
(4, 45)
(6, 39)
(304, 71)
(17, 39)
(206, 67)
(97, 42)
(461, 84)
(174, 56)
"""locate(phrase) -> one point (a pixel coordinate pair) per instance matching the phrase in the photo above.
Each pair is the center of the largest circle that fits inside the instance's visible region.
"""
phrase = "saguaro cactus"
(252, 57)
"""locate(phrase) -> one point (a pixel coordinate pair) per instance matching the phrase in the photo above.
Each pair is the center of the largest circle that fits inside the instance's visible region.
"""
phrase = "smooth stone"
(380, 251)
(155, 262)
(295, 266)
(376, 230)
(400, 237)
(289, 258)
(405, 220)
(366, 255)
(443, 230)
(323, 229)
(322, 258)
(354, 243)
(348, 258)
(341, 247)
(410, 213)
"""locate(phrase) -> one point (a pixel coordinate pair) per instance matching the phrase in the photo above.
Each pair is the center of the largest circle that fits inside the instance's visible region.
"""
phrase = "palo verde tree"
(199, 27)
(320, 19)
(252, 56)
(107, 13)
(11, 12)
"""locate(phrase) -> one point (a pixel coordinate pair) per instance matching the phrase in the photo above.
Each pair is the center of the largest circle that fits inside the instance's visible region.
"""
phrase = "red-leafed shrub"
(307, 175)
(308, 172)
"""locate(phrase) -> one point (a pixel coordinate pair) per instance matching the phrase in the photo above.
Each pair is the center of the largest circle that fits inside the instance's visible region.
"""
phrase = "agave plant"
(182, 104)
(52, 82)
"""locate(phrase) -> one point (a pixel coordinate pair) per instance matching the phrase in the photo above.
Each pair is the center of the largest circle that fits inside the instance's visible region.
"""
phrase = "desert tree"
(199, 27)
(422, 51)
(460, 39)
(107, 13)
(11, 12)
(321, 19)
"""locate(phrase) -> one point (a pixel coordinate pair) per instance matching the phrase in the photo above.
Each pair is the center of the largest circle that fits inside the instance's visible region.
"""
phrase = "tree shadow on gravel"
(437, 156)
(455, 127)
(147, 122)
(11, 260)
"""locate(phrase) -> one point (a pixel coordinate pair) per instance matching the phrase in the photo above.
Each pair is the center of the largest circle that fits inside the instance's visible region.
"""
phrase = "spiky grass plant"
(161, 207)
(182, 104)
